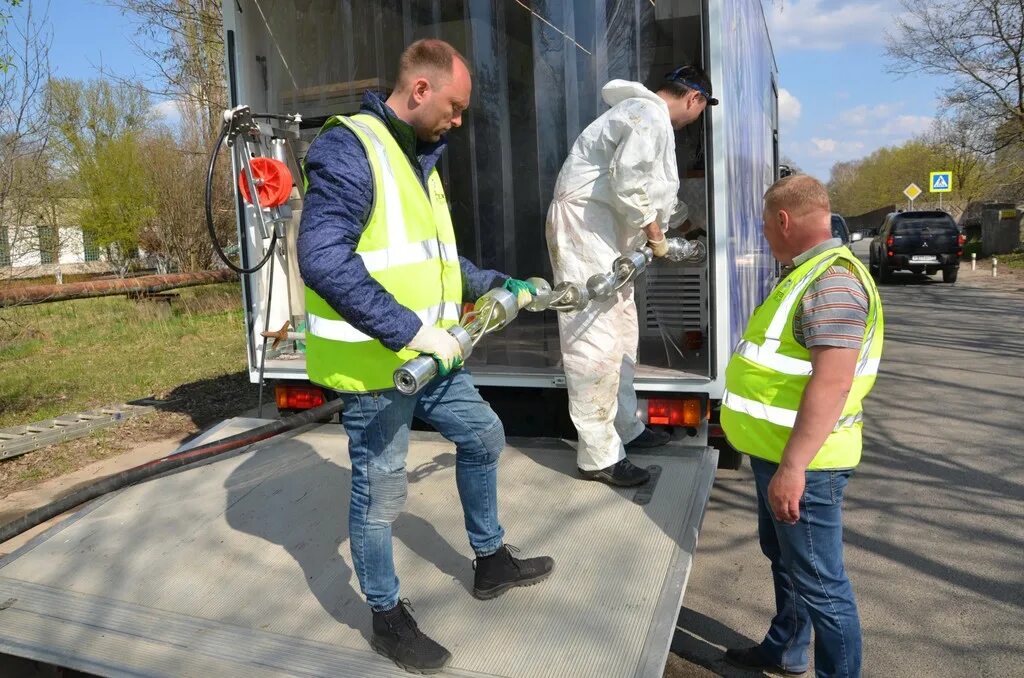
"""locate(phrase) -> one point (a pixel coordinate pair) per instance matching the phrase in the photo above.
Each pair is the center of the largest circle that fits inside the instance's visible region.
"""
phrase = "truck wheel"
(884, 274)
(729, 458)
(949, 274)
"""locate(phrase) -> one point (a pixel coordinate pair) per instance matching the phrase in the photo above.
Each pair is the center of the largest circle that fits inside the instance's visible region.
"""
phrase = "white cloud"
(168, 111)
(824, 145)
(884, 122)
(789, 107)
(828, 25)
(866, 115)
(833, 148)
(907, 125)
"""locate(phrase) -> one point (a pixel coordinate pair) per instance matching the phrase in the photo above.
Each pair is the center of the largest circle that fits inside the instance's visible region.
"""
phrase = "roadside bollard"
(974, 261)
(995, 263)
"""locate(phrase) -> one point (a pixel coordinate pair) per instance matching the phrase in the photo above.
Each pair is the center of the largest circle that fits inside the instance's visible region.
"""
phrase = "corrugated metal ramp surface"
(242, 567)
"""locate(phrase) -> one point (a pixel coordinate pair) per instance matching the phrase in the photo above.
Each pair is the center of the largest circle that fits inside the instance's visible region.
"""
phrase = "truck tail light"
(298, 396)
(889, 241)
(890, 253)
(686, 412)
(961, 240)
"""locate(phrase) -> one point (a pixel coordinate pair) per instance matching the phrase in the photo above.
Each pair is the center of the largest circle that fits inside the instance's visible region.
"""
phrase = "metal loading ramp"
(241, 567)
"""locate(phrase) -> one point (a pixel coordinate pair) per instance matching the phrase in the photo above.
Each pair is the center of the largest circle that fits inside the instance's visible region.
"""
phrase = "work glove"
(446, 351)
(524, 291)
(659, 247)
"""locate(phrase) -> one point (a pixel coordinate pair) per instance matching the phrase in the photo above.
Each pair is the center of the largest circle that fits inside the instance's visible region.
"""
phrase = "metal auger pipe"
(491, 313)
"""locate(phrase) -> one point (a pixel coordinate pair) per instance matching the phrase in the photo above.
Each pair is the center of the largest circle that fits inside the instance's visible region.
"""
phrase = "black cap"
(693, 78)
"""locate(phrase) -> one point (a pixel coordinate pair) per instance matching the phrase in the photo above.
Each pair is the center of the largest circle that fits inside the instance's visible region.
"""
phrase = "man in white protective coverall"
(617, 191)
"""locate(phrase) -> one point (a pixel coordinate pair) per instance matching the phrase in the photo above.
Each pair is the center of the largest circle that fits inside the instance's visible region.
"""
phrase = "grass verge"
(74, 355)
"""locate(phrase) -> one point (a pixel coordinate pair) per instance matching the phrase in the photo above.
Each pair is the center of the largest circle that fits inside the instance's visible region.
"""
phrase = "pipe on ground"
(147, 284)
(169, 463)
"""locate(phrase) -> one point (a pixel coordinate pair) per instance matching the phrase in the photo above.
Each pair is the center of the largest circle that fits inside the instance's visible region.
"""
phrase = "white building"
(31, 253)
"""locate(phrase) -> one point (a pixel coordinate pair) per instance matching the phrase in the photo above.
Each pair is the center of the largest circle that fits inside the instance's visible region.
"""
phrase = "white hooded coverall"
(620, 176)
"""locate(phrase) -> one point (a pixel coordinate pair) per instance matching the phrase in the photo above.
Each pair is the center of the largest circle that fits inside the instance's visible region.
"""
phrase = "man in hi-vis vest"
(383, 281)
(795, 388)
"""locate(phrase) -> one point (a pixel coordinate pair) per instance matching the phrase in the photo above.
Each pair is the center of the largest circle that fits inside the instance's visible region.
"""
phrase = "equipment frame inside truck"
(241, 565)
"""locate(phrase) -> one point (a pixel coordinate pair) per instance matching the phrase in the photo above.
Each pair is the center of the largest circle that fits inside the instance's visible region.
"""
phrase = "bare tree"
(186, 51)
(185, 48)
(979, 46)
(178, 230)
(962, 144)
(24, 130)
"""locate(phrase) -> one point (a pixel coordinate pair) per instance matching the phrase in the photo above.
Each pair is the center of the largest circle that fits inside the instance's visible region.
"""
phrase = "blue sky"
(838, 101)
(89, 35)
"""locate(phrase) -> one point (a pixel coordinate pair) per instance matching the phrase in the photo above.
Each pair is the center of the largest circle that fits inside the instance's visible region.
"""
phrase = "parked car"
(920, 242)
(840, 229)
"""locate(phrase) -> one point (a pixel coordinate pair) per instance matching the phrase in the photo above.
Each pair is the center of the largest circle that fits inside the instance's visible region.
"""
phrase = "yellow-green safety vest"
(408, 247)
(769, 370)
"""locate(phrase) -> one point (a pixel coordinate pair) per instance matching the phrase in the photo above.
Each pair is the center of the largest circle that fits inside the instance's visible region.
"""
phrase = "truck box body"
(538, 77)
(242, 566)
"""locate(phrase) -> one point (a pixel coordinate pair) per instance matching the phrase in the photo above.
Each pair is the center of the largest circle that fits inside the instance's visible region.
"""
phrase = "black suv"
(921, 242)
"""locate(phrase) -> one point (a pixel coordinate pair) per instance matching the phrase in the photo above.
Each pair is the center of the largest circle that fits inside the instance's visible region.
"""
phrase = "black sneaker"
(500, 572)
(650, 437)
(754, 659)
(623, 474)
(397, 637)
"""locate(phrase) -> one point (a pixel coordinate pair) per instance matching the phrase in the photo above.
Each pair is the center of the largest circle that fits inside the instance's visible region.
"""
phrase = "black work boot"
(397, 637)
(650, 437)
(500, 572)
(623, 474)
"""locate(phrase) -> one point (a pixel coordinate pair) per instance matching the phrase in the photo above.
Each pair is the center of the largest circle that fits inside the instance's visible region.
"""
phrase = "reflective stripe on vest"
(778, 415)
(769, 370)
(339, 330)
(408, 247)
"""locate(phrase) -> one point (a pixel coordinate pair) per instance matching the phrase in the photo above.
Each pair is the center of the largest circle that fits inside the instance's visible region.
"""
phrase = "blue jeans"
(378, 428)
(811, 586)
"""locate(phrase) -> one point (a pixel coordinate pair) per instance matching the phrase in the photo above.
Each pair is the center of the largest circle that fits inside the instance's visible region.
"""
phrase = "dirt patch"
(1010, 279)
(677, 667)
(181, 413)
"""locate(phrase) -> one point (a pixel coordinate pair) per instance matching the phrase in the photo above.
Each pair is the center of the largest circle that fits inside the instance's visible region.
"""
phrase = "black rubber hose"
(158, 466)
(209, 215)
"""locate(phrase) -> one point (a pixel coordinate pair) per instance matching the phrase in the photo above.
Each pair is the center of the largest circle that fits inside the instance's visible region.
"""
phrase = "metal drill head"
(415, 374)
(627, 267)
(541, 300)
(569, 296)
(464, 339)
(496, 309)
(601, 286)
(689, 251)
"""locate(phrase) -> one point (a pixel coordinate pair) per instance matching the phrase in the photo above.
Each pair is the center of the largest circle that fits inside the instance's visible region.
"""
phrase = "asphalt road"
(934, 516)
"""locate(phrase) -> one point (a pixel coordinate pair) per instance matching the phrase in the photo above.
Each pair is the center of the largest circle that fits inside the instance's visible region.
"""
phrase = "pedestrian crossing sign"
(940, 182)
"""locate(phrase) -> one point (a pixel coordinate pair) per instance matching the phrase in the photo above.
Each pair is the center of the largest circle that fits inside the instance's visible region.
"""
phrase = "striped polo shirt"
(834, 309)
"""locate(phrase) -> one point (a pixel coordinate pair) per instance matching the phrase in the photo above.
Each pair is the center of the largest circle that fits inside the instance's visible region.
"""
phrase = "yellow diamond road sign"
(912, 191)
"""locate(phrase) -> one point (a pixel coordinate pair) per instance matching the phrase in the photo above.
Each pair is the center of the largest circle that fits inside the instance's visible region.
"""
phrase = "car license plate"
(924, 258)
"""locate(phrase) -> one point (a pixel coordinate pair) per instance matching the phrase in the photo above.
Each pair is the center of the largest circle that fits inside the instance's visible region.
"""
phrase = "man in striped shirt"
(834, 310)
(799, 500)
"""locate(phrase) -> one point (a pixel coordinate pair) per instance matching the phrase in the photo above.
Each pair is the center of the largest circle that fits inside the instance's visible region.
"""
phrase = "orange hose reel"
(273, 182)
